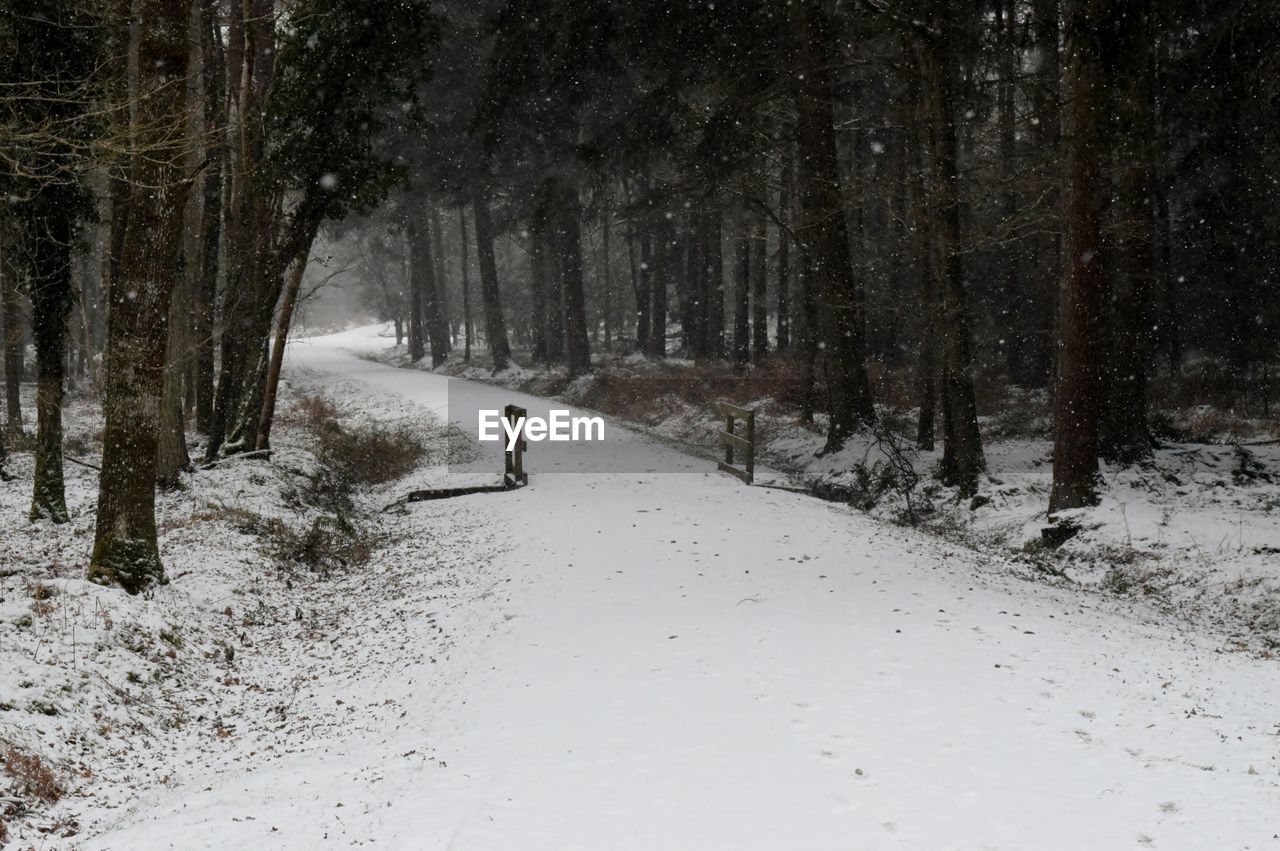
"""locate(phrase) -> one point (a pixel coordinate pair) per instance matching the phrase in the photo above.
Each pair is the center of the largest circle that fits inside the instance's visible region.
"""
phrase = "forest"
(1075, 196)
(907, 223)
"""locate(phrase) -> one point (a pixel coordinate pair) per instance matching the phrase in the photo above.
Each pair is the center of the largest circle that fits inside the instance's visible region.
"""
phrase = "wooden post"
(513, 467)
(728, 447)
(732, 440)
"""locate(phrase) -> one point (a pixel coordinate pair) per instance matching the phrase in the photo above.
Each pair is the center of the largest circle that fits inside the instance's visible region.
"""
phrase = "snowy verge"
(256, 648)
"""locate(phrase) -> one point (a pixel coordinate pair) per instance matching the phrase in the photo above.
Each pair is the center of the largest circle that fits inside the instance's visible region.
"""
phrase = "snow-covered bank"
(257, 647)
(675, 661)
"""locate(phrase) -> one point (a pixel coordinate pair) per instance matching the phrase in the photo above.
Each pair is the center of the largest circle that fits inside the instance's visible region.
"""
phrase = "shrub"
(32, 776)
(328, 543)
(369, 455)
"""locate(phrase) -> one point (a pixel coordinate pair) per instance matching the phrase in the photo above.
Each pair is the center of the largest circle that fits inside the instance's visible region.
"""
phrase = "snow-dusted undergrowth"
(249, 653)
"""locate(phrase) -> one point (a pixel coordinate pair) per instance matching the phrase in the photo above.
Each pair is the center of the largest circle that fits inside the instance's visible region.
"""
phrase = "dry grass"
(32, 776)
(310, 411)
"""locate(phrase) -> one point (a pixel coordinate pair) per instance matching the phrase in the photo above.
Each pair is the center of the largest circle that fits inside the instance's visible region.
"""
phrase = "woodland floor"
(640, 659)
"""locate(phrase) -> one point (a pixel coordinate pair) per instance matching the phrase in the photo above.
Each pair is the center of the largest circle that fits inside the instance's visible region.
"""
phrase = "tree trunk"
(438, 310)
(665, 262)
(495, 325)
(759, 285)
(1077, 401)
(14, 341)
(1045, 94)
(607, 280)
(418, 275)
(808, 330)
(1126, 437)
(466, 285)
(283, 322)
(693, 301)
(643, 287)
(713, 251)
(742, 288)
(926, 379)
(1018, 320)
(538, 259)
(782, 336)
(426, 285)
(125, 549)
(962, 459)
(51, 296)
(215, 112)
(253, 217)
(824, 232)
(570, 234)
(172, 455)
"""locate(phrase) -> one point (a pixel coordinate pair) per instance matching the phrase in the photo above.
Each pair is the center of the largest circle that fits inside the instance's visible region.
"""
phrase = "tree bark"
(215, 111)
(426, 287)
(926, 379)
(713, 251)
(125, 549)
(538, 258)
(570, 233)
(666, 260)
(759, 284)
(643, 287)
(782, 336)
(495, 324)
(283, 323)
(1126, 437)
(607, 280)
(824, 232)
(172, 455)
(466, 285)
(742, 288)
(417, 284)
(438, 321)
(254, 217)
(962, 460)
(15, 339)
(1018, 320)
(1077, 401)
(693, 300)
(51, 296)
(1046, 249)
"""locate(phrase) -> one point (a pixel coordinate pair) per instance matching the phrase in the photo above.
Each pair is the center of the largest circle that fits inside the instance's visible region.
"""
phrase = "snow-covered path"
(675, 661)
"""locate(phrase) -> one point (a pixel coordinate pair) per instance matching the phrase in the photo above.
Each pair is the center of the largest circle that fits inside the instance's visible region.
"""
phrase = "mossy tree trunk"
(125, 549)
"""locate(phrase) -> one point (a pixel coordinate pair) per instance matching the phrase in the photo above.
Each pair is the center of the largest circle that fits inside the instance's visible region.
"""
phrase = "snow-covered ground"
(1194, 530)
(670, 661)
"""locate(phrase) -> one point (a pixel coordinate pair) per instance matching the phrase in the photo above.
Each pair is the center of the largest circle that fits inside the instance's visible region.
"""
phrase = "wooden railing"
(744, 442)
